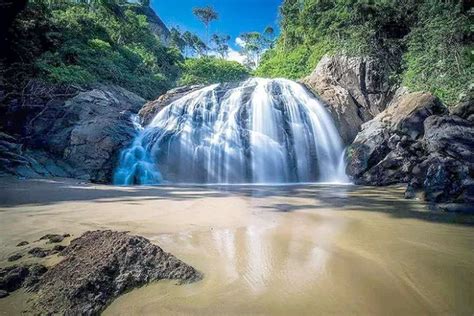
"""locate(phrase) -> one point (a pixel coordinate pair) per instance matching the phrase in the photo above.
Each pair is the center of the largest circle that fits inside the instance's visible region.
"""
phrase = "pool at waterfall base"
(276, 250)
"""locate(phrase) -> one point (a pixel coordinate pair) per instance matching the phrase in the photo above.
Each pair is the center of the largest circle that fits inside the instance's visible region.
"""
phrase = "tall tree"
(206, 15)
(177, 39)
(194, 43)
(221, 44)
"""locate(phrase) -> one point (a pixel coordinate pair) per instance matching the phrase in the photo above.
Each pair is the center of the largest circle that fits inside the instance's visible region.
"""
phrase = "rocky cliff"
(395, 136)
(76, 134)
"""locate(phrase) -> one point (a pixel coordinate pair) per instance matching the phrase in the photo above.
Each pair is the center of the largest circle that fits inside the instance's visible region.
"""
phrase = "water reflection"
(287, 253)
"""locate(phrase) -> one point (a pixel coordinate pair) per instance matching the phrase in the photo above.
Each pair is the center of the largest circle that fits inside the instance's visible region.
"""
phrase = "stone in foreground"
(101, 265)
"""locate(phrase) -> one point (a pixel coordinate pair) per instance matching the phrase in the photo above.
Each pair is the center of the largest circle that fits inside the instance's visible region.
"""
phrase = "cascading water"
(260, 131)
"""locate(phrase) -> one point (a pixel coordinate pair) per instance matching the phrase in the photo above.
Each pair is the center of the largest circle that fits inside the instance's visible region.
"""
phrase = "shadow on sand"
(329, 197)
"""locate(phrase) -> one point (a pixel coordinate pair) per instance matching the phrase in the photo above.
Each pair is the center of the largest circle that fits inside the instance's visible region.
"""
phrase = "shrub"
(208, 70)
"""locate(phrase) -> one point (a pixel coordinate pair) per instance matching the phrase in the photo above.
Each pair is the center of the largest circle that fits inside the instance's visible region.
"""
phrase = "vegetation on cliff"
(78, 43)
(428, 44)
(84, 43)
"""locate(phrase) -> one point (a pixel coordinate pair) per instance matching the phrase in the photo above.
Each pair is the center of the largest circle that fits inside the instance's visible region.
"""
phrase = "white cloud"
(235, 56)
(240, 42)
(232, 55)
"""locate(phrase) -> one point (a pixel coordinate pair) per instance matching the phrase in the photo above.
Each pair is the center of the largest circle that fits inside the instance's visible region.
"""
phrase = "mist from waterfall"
(259, 131)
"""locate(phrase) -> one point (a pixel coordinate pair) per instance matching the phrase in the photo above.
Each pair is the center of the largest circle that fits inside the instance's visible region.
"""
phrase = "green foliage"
(437, 58)
(221, 44)
(255, 44)
(102, 42)
(208, 70)
(427, 43)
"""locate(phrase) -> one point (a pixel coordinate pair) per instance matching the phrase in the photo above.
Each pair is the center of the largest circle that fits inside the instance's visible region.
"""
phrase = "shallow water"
(303, 249)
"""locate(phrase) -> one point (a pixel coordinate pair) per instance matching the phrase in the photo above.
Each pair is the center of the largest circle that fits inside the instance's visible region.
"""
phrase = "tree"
(193, 42)
(221, 42)
(206, 15)
(252, 48)
(177, 39)
(268, 35)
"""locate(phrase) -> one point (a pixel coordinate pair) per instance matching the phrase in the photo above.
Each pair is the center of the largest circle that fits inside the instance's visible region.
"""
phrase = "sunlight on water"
(261, 131)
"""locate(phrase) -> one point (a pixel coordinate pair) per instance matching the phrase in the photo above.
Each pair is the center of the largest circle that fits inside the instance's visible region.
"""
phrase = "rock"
(446, 180)
(86, 131)
(416, 141)
(155, 24)
(11, 278)
(35, 272)
(99, 266)
(355, 90)
(59, 248)
(53, 238)
(39, 252)
(388, 142)
(22, 243)
(3, 293)
(152, 108)
(450, 135)
(410, 192)
(15, 257)
(14, 277)
(464, 110)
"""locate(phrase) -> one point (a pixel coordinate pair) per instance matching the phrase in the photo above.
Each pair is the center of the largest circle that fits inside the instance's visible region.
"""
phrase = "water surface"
(300, 249)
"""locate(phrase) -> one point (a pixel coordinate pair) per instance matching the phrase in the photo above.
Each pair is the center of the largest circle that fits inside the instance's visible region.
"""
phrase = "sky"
(235, 16)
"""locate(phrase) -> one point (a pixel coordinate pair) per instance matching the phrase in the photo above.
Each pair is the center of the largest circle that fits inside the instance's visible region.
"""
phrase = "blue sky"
(235, 16)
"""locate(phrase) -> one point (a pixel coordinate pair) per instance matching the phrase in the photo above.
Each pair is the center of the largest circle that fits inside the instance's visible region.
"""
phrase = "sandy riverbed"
(264, 250)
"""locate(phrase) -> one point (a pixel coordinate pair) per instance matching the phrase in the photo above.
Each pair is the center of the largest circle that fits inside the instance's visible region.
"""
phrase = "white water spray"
(261, 131)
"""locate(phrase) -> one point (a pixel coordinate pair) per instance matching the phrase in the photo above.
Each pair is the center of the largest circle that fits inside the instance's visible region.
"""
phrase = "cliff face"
(156, 24)
(394, 136)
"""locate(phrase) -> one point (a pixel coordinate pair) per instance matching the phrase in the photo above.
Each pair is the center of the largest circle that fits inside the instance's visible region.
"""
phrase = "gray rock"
(355, 90)
(52, 238)
(450, 135)
(39, 252)
(22, 243)
(416, 141)
(11, 278)
(388, 142)
(152, 108)
(464, 110)
(99, 266)
(15, 257)
(86, 132)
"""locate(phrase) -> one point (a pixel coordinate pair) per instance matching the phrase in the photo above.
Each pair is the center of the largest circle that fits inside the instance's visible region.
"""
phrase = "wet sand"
(306, 249)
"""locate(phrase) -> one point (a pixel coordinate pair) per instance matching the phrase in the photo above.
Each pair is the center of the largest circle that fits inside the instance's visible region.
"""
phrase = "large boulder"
(86, 131)
(416, 141)
(355, 89)
(397, 128)
(99, 266)
(16, 159)
(152, 108)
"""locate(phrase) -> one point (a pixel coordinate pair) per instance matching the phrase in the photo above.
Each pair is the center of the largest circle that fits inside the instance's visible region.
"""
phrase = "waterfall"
(257, 131)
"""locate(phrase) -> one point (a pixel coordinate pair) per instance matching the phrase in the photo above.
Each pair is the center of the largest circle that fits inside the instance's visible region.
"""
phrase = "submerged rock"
(39, 252)
(15, 257)
(22, 243)
(99, 266)
(53, 238)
